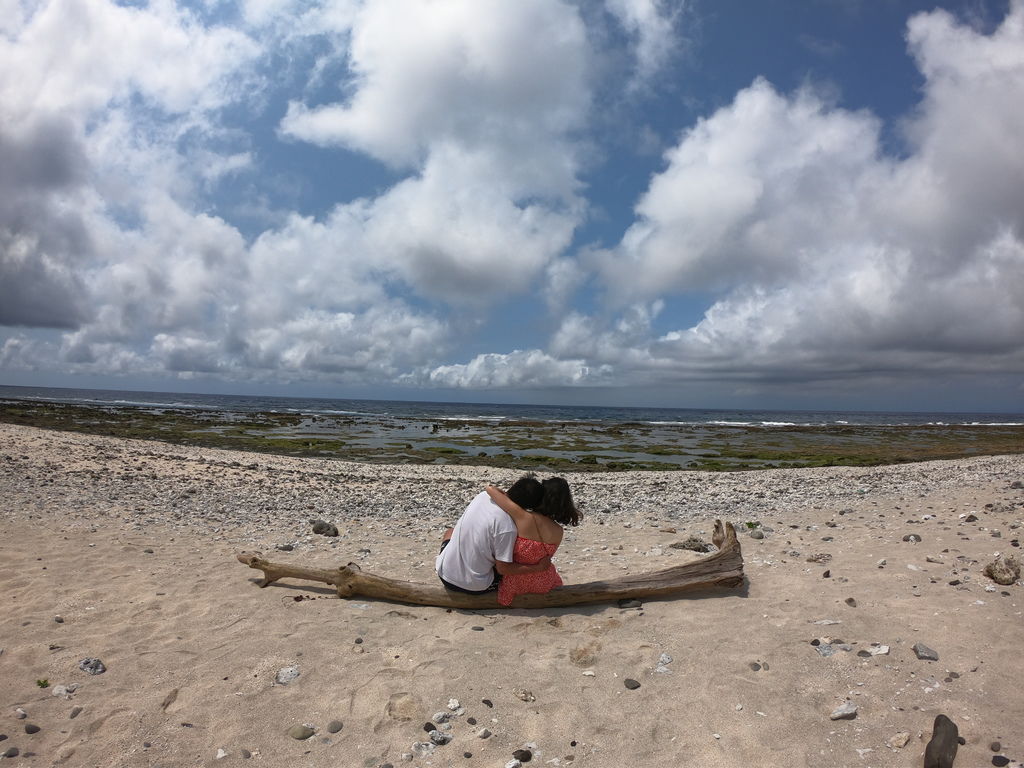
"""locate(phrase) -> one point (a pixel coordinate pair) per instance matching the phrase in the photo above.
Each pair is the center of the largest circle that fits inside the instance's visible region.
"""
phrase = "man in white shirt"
(477, 552)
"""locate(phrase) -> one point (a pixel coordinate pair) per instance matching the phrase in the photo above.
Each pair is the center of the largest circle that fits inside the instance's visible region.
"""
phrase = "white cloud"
(517, 369)
(825, 254)
(652, 24)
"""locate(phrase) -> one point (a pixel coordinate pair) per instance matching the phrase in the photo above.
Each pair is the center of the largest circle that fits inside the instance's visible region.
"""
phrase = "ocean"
(426, 410)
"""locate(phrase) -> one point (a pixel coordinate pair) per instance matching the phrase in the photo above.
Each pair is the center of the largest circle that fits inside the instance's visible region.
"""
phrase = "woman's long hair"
(557, 502)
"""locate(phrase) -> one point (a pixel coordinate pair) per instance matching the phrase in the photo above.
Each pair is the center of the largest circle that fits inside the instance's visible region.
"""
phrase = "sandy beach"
(124, 551)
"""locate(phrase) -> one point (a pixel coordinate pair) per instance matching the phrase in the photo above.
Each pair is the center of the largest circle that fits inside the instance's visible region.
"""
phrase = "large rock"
(1004, 570)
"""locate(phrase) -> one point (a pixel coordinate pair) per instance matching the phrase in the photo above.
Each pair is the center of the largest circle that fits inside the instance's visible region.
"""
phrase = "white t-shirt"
(483, 535)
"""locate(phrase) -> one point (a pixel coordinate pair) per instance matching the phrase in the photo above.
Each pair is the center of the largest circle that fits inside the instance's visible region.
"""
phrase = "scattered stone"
(75, 712)
(423, 748)
(971, 519)
(941, 750)
(477, 629)
(1017, 485)
(925, 653)
(630, 603)
(487, 703)
(755, 666)
(439, 738)
(285, 547)
(846, 711)
(881, 563)
(912, 537)
(851, 602)
(631, 683)
(523, 755)
(454, 705)
(324, 528)
(483, 733)
(300, 732)
(92, 666)
(827, 575)
(10, 752)
(286, 675)
(221, 754)
(523, 694)
(1003, 571)
(821, 557)
(20, 713)
(999, 760)
(693, 543)
(245, 753)
(513, 763)
(899, 740)
(995, 746)
(59, 619)
(334, 726)
(31, 728)
(756, 533)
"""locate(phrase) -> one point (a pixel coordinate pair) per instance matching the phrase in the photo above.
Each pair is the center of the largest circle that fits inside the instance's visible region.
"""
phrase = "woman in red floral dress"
(540, 533)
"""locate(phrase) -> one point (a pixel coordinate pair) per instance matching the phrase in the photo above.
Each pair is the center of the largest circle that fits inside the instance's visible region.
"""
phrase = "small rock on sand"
(846, 711)
(925, 653)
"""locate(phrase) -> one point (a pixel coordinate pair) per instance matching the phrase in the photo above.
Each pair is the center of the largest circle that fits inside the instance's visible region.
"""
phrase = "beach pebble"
(631, 683)
(483, 733)
(334, 726)
(245, 753)
(10, 752)
(756, 533)
(31, 728)
(75, 712)
(92, 666)
(286, 675)
(846, 711)
(300, 732)
(323, 528)
(59, 619)
(439, 738)
(513, 763)
(995, 746)
(899, 740)
(221, 754)
(423, 748)
(285, 547)
(630, 603)
(913, 538)
(20, 713)
(523, 694)
(523, 755)
(999, 761)
(925, 653)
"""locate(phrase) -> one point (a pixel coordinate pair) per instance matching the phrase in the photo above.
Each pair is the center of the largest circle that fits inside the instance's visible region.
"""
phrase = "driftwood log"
(724, 568)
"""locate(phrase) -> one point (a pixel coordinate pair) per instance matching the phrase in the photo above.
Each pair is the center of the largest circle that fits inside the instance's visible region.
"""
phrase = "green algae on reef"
(544, 446)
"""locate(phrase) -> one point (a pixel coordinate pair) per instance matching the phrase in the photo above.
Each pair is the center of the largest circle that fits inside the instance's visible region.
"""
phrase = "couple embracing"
(504, 541)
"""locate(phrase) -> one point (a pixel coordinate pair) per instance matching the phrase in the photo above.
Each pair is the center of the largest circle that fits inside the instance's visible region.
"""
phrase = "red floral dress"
(529, 551)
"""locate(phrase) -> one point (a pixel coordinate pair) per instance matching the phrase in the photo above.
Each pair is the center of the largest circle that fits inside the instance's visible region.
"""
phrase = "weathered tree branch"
(724, 568)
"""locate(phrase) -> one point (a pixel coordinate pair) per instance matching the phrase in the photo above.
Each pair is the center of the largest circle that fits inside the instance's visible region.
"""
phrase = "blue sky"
(697, 204)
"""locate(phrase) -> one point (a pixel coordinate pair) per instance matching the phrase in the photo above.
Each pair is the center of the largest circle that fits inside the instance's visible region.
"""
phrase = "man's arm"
(514, 569)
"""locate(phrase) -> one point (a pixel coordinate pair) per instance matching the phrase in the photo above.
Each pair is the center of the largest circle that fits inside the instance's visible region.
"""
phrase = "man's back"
(483, 535)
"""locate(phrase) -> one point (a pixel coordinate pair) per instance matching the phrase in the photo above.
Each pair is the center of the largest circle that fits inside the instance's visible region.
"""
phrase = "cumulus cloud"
(480, 100)
(517, 369)
(825, 254)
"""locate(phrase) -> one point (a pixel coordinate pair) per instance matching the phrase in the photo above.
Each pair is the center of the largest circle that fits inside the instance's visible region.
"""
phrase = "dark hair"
(557, 502)
(527, 492)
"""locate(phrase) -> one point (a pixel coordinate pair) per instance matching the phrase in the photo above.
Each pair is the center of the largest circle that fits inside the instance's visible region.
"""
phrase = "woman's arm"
(519, 515)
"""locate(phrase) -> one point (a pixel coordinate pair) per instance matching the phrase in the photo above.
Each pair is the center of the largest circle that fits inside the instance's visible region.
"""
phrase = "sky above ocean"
(703, 203)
